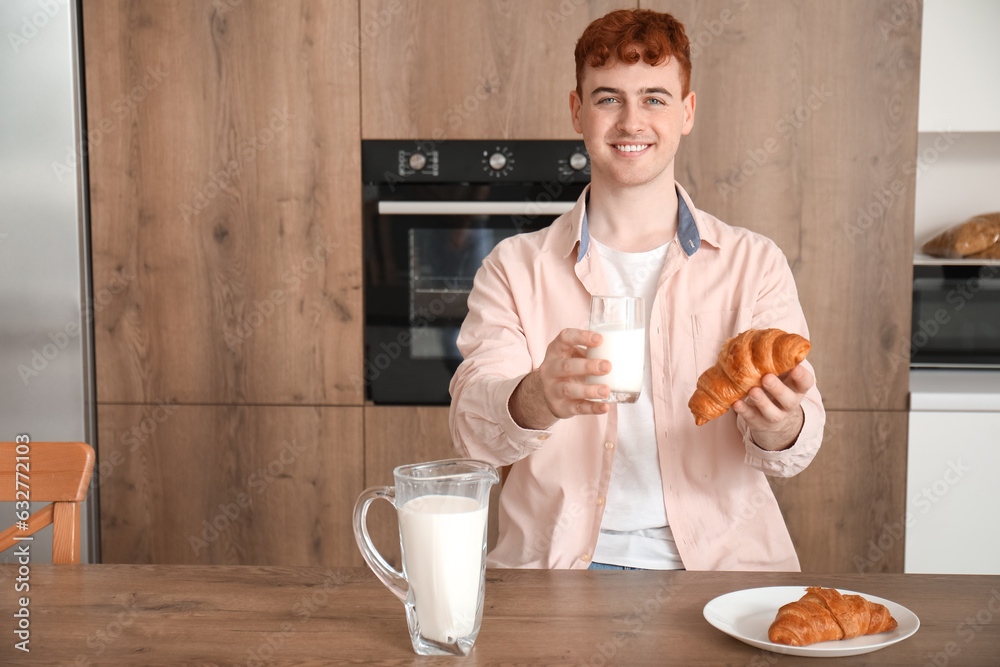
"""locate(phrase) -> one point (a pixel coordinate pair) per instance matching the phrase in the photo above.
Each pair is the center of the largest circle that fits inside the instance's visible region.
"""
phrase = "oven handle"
(474, 207)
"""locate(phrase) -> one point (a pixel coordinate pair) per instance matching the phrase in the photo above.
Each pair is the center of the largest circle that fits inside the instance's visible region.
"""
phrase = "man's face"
(632, 118)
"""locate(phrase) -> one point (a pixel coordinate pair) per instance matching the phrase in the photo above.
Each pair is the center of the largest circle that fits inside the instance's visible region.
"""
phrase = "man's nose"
(630, 120)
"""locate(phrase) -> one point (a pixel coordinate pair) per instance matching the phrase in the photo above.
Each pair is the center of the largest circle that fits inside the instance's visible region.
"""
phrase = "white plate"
(747, 615)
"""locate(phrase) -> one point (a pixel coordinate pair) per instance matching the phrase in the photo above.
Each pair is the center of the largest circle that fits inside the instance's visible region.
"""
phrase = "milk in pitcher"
(442, 542)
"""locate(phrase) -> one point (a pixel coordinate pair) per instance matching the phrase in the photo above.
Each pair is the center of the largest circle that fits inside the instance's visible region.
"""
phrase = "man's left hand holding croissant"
(773, 412)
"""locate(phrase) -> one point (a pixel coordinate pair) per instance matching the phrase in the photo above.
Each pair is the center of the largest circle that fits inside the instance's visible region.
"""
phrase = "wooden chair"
(57, 473)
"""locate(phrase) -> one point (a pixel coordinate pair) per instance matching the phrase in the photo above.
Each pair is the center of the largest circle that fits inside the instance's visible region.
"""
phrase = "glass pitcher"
(442, 509)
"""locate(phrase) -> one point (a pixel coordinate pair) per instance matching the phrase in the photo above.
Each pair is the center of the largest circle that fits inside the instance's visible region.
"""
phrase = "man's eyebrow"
(605, 90)
(617, 91)
(660, 91)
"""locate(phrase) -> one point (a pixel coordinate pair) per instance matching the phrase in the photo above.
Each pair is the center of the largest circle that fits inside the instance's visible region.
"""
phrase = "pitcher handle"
(388, 575)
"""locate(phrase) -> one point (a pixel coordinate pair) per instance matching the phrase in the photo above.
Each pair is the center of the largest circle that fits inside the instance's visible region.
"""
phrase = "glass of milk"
(621, 322)
(442, 509)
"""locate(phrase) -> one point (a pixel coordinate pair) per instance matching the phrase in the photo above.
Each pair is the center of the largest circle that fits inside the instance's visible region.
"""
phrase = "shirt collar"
(584, 230)
(687, 227)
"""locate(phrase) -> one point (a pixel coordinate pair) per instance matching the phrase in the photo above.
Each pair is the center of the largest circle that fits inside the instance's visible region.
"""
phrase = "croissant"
(743, 361)
(823, 614)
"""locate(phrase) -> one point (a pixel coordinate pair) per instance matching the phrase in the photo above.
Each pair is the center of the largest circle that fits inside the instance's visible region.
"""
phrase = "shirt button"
(543, 437)
(600, 501)
(585, 557)
(609, 445)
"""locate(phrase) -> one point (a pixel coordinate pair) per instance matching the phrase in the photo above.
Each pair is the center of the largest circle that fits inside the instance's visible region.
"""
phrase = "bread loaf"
(976, 235)
(993, 252)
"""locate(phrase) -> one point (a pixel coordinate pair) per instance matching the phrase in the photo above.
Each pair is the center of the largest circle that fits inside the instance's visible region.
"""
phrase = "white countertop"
(954, 390)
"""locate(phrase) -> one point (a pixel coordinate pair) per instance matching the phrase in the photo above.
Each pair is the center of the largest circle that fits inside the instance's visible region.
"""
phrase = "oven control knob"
(577, 161)
(498, 161)
(417, 161)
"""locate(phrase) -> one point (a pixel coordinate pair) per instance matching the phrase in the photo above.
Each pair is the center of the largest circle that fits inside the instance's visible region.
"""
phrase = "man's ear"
(688, 113)
(575, 104)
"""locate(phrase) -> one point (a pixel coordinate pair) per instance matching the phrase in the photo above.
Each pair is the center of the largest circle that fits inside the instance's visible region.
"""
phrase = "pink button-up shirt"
(716, 281)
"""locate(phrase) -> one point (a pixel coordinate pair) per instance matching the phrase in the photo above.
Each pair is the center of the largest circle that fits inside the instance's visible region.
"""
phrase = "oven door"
(422, 250)
(956, 316)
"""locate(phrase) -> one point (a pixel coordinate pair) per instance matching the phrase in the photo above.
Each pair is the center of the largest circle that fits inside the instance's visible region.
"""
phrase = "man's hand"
(774, 412)
(557, 390)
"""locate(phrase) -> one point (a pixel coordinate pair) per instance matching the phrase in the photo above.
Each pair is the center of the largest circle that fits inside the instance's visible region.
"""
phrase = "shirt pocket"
(710, 330)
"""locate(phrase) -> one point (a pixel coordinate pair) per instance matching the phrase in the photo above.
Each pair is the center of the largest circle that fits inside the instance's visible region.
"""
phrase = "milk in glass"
(625, 348)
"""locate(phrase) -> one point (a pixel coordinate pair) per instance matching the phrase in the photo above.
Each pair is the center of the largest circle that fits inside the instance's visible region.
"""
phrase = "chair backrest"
(54, 472)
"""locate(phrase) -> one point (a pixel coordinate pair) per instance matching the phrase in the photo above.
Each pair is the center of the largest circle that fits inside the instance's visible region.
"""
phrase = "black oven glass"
(426, 235)
(442, 265)
(956, 316)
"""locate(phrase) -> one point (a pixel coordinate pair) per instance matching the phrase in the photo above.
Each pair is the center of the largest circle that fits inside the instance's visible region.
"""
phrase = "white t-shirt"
(634, 529)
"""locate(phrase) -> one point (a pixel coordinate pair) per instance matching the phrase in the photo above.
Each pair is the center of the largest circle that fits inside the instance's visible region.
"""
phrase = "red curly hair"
(626, 35)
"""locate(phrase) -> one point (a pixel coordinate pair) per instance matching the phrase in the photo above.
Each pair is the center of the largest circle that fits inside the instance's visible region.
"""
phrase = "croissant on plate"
(823, 614)
(743, 361)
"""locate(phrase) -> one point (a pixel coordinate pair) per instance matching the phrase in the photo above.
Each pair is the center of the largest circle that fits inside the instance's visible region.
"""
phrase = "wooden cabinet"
(225, 193)
(238, 485)
(470, 69)
(225, 190)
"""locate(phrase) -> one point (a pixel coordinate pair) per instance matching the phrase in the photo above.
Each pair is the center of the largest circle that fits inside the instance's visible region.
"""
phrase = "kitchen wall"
(232, 421)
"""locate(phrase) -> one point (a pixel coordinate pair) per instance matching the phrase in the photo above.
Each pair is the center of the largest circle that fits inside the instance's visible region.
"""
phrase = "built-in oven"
(432, 211)
(956, 315)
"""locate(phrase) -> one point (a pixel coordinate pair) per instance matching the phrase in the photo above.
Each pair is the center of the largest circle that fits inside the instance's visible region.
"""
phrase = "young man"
(639, 485)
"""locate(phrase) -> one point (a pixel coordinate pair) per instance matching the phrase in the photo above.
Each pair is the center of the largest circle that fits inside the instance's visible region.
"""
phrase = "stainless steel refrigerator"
(46, 346)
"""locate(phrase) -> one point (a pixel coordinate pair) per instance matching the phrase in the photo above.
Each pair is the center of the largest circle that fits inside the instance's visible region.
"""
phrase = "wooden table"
(219, 615)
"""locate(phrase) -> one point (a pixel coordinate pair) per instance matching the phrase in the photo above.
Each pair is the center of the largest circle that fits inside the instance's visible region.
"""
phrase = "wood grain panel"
(225, 201)
(806, 131)
(396, 436)
(846, 511)
(470, 69)
(229, 484)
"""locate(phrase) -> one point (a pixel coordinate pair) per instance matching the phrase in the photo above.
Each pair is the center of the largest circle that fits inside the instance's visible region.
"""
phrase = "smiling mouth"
(631, 148)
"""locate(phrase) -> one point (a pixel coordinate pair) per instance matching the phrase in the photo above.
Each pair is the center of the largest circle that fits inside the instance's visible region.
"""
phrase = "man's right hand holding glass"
(557, 389)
